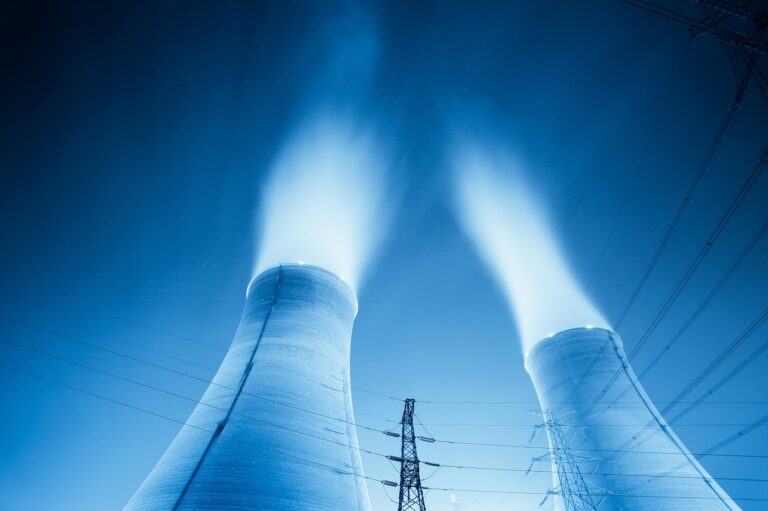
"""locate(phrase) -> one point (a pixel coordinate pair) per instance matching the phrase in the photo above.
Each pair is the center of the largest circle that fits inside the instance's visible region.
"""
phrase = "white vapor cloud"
(510, 232)
(324, 203)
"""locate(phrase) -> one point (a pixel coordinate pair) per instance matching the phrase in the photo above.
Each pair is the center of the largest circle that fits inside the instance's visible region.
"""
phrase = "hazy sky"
(136, 146)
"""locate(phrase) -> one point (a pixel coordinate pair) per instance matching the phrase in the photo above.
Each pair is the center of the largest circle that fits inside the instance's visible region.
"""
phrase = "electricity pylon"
(577, 495)
(740, 25)
(411, 494)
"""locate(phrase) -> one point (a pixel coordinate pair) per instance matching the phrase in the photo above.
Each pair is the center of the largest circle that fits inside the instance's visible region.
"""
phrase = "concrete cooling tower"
(275, 429)
(595, 460)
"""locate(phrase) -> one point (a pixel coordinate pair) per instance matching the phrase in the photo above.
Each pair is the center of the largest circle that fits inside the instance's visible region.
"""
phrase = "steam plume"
(324, 203)
(510, 232)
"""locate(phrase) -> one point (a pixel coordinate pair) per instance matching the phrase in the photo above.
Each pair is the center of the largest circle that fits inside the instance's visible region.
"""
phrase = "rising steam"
(324, 202)
(511, 233)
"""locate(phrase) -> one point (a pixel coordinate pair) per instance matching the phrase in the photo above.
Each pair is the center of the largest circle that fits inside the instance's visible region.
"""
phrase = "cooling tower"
(592, 449)
(275, 429)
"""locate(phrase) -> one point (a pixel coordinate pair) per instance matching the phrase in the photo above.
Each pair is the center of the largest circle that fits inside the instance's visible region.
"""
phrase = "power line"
(683, 282)
(613, 474)
(729, 37)
(162, 354)
(380, 394)
(524, 402)
(172, 334)
(711, 367)
(525, 425)
(762, 421)
(716, 289)
(724, 12)
(186, 375)
(173, 357)
(431, 436)
(496, 403)
(387, 396)
(669, 453)
(309, 411)
(725, 379)
(137, 324)
(730, 439)
(185, 398)
(530, 403)
(572, 488)
(709, 452)
(174, 394)
(179, 359)
(721, 357)
(184, 423)
(661, 247)
(738, 341)
(641, 160)
(677, 400)
(606, 495)
(354, 387)
(714, 235)
(672, 227)
(366, 451)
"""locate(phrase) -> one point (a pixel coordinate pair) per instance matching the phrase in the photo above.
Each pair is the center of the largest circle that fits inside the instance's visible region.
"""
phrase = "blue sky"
(136, 144)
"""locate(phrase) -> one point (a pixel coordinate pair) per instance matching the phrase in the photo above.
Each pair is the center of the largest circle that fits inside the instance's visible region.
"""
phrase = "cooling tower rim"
(308, 268)
(593, 332)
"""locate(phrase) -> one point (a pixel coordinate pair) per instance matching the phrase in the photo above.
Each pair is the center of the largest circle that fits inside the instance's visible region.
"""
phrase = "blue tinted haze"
(141, 141)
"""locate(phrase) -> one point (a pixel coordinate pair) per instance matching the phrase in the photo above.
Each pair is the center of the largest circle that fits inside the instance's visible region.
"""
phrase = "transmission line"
(173, 357)
(187, 375)
(708, 452)
(607, 495)
(195, 401)
(714, 364)
(357, 424)
(362, 426)
(172, 334)
(724, 220)
(762, 421)
(727, 36)
(711, 367)
(725, 379)
(186, 398)
(641, 160)
(515, 402)
(612, 474)
(184, 423)
(683, 282)
(721, 357)
(715, 290)
(526, 425)
(672, 227)
(718, 12)
(522, 446)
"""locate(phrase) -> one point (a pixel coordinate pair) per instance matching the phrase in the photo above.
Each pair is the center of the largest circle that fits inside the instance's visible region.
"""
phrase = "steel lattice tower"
(572, 488)
(411, 494)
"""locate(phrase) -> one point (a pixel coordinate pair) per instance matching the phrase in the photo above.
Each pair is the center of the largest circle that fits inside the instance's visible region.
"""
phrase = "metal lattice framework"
(577, 495)
(741, 25)
(411, 494)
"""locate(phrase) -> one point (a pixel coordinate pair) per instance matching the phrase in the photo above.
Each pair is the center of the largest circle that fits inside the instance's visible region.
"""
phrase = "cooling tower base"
(275, 429)
(607, 433)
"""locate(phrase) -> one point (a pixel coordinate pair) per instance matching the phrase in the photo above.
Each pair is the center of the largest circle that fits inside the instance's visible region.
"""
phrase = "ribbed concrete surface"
(570, 370)
(258, 447)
